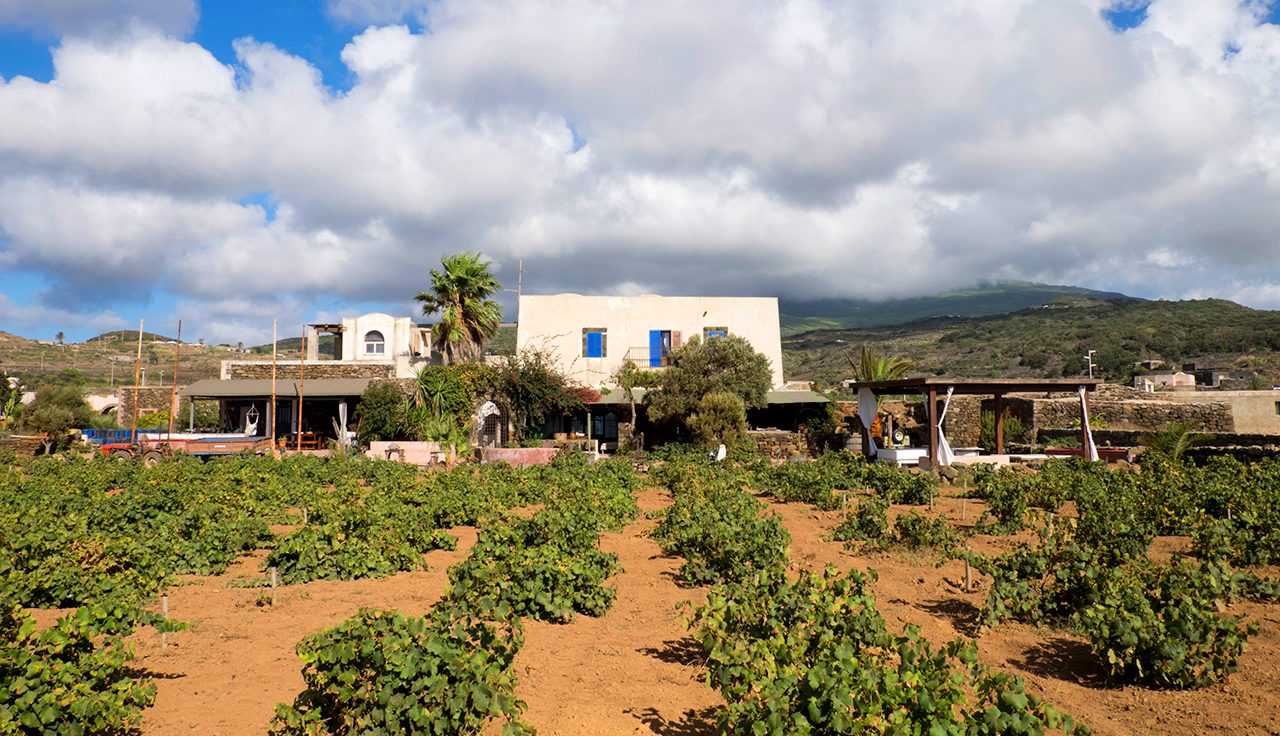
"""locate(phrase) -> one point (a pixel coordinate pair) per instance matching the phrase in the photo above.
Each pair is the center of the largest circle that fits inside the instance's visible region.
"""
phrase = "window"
(710, 332)
(661, 344)
(374, 344)
(595, 342)
(1278, 407)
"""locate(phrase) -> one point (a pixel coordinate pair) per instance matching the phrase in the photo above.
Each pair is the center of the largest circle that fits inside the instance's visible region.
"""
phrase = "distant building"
(1165, 382)
(590, 337)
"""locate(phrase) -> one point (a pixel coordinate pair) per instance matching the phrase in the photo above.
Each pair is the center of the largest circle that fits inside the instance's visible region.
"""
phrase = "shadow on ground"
(693, 722)
(1067, 660)
(684, 651)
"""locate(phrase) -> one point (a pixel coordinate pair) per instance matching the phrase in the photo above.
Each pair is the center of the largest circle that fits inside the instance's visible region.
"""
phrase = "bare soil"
(635, 670)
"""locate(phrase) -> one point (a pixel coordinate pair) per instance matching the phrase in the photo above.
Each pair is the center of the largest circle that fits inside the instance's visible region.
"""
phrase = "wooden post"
(302, 378)
(164, 607)
(968, 572)
(173, 395)
(932, 412)
(1084, 426)
(999, 407)
(274, 580)
(137, 376)
(275, 451)
(963, 502)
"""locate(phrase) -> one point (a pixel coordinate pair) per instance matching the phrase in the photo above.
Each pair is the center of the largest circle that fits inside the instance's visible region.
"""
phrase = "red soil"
(635, 671)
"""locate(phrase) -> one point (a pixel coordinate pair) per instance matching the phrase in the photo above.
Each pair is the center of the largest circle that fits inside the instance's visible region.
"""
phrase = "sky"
(233, 161)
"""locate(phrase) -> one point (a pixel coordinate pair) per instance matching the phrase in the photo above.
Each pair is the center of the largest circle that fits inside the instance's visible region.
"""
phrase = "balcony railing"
(644, 357)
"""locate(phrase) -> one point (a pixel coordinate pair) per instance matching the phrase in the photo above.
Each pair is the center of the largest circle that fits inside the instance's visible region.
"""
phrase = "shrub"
(71, 677)
(1158, 627)
(720, 418)
(381, 672)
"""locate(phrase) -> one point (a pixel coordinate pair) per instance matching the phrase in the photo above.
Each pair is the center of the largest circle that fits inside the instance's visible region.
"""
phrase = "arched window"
(374, 344)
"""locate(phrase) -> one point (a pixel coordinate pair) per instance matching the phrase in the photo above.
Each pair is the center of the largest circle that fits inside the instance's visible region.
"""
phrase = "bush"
(718, 529)
(814, 657)
(71, 677)
(381, 412)
(381, 672)
(547, 568)
(1158, 627)
(868, 523)
(720, 418)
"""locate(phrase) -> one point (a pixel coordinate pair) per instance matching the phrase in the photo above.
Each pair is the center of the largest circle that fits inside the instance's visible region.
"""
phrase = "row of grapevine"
(814, 656)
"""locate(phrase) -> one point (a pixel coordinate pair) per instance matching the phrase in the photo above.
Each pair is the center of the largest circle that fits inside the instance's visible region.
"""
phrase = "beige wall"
(555, 323)
(1254, 412)
(406, 347)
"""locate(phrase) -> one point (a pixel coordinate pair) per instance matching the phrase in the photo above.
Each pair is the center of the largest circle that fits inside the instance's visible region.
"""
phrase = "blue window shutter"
(655, 348)
(595, 344)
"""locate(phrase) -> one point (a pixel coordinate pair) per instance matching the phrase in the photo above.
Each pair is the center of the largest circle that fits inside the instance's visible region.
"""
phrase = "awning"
(287, 388)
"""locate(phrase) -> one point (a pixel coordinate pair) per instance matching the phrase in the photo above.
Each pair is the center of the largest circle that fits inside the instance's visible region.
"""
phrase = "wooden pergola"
(996, 387)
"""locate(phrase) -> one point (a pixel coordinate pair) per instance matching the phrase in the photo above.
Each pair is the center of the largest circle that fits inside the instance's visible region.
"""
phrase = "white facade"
(370, 339)
(590, 337)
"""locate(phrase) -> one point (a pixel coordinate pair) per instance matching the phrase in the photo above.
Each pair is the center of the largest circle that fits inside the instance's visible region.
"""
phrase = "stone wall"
(155, 398)
(320, 369)
(778, 444)
(1136, 415)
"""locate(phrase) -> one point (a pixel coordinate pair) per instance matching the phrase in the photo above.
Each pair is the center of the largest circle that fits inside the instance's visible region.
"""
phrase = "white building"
(590, 337)
(372, 345)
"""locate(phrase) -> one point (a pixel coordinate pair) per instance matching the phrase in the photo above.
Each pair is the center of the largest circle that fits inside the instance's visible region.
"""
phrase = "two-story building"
(315, 394)
(590, 337)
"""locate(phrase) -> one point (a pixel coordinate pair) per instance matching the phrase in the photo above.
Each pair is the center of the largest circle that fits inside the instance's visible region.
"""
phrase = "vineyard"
(344, 595)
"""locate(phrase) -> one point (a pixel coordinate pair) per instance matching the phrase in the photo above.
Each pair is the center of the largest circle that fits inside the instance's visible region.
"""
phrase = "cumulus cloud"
(83, 17)
(798, 148)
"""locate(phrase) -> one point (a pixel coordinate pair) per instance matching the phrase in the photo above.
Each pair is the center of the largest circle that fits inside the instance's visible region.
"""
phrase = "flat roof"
(979, 386)
(215, 388)
(618, 396)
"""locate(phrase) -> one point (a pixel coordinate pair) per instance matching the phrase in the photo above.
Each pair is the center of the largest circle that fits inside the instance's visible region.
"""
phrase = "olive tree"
(720, 365)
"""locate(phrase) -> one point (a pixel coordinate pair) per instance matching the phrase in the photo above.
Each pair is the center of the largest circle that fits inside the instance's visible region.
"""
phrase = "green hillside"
(1051, 340)
(985, 299)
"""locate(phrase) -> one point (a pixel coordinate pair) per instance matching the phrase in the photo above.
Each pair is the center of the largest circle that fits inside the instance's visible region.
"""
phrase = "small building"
(373, 345)
(591, 337)
(317, 394)
(1178, 381)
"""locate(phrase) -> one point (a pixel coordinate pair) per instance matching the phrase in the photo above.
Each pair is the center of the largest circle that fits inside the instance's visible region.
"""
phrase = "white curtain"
(867, 413)
(1090, 450)
(945, 455)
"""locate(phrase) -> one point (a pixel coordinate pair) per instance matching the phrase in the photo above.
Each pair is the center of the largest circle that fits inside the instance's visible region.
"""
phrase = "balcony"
(643, 357)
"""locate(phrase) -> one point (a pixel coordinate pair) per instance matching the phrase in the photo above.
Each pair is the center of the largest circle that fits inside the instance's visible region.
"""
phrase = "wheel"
(152, 457)
(120, 455)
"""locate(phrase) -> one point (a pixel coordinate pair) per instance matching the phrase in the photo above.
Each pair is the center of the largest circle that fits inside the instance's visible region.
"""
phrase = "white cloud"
(82, 17)
(790, 147)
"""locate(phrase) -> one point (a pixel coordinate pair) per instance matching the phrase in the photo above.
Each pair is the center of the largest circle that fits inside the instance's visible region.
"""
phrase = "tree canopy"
(720, 365)
(461, 295)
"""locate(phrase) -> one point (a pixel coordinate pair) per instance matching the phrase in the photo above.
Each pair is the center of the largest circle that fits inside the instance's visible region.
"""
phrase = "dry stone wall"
(154, 398)
(321, 369)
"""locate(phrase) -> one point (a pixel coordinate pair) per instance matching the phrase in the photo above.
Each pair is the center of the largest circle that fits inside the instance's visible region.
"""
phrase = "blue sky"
(228, 162)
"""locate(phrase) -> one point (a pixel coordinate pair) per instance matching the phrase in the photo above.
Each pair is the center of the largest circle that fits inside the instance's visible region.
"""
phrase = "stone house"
(590, 337)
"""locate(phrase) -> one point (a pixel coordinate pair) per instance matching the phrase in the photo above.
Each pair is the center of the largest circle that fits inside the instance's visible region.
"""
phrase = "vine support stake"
(1051, 523)
(304, 514)
(164, 609)
(963, 502)
(273, 586)
(968, 570)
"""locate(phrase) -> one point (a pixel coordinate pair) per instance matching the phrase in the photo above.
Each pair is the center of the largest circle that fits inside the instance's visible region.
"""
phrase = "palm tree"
(468, 317)
(873, 367)
(1174, 440)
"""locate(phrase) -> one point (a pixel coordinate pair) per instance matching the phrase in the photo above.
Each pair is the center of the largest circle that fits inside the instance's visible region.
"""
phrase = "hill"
(1052, 339)
(982, 300)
